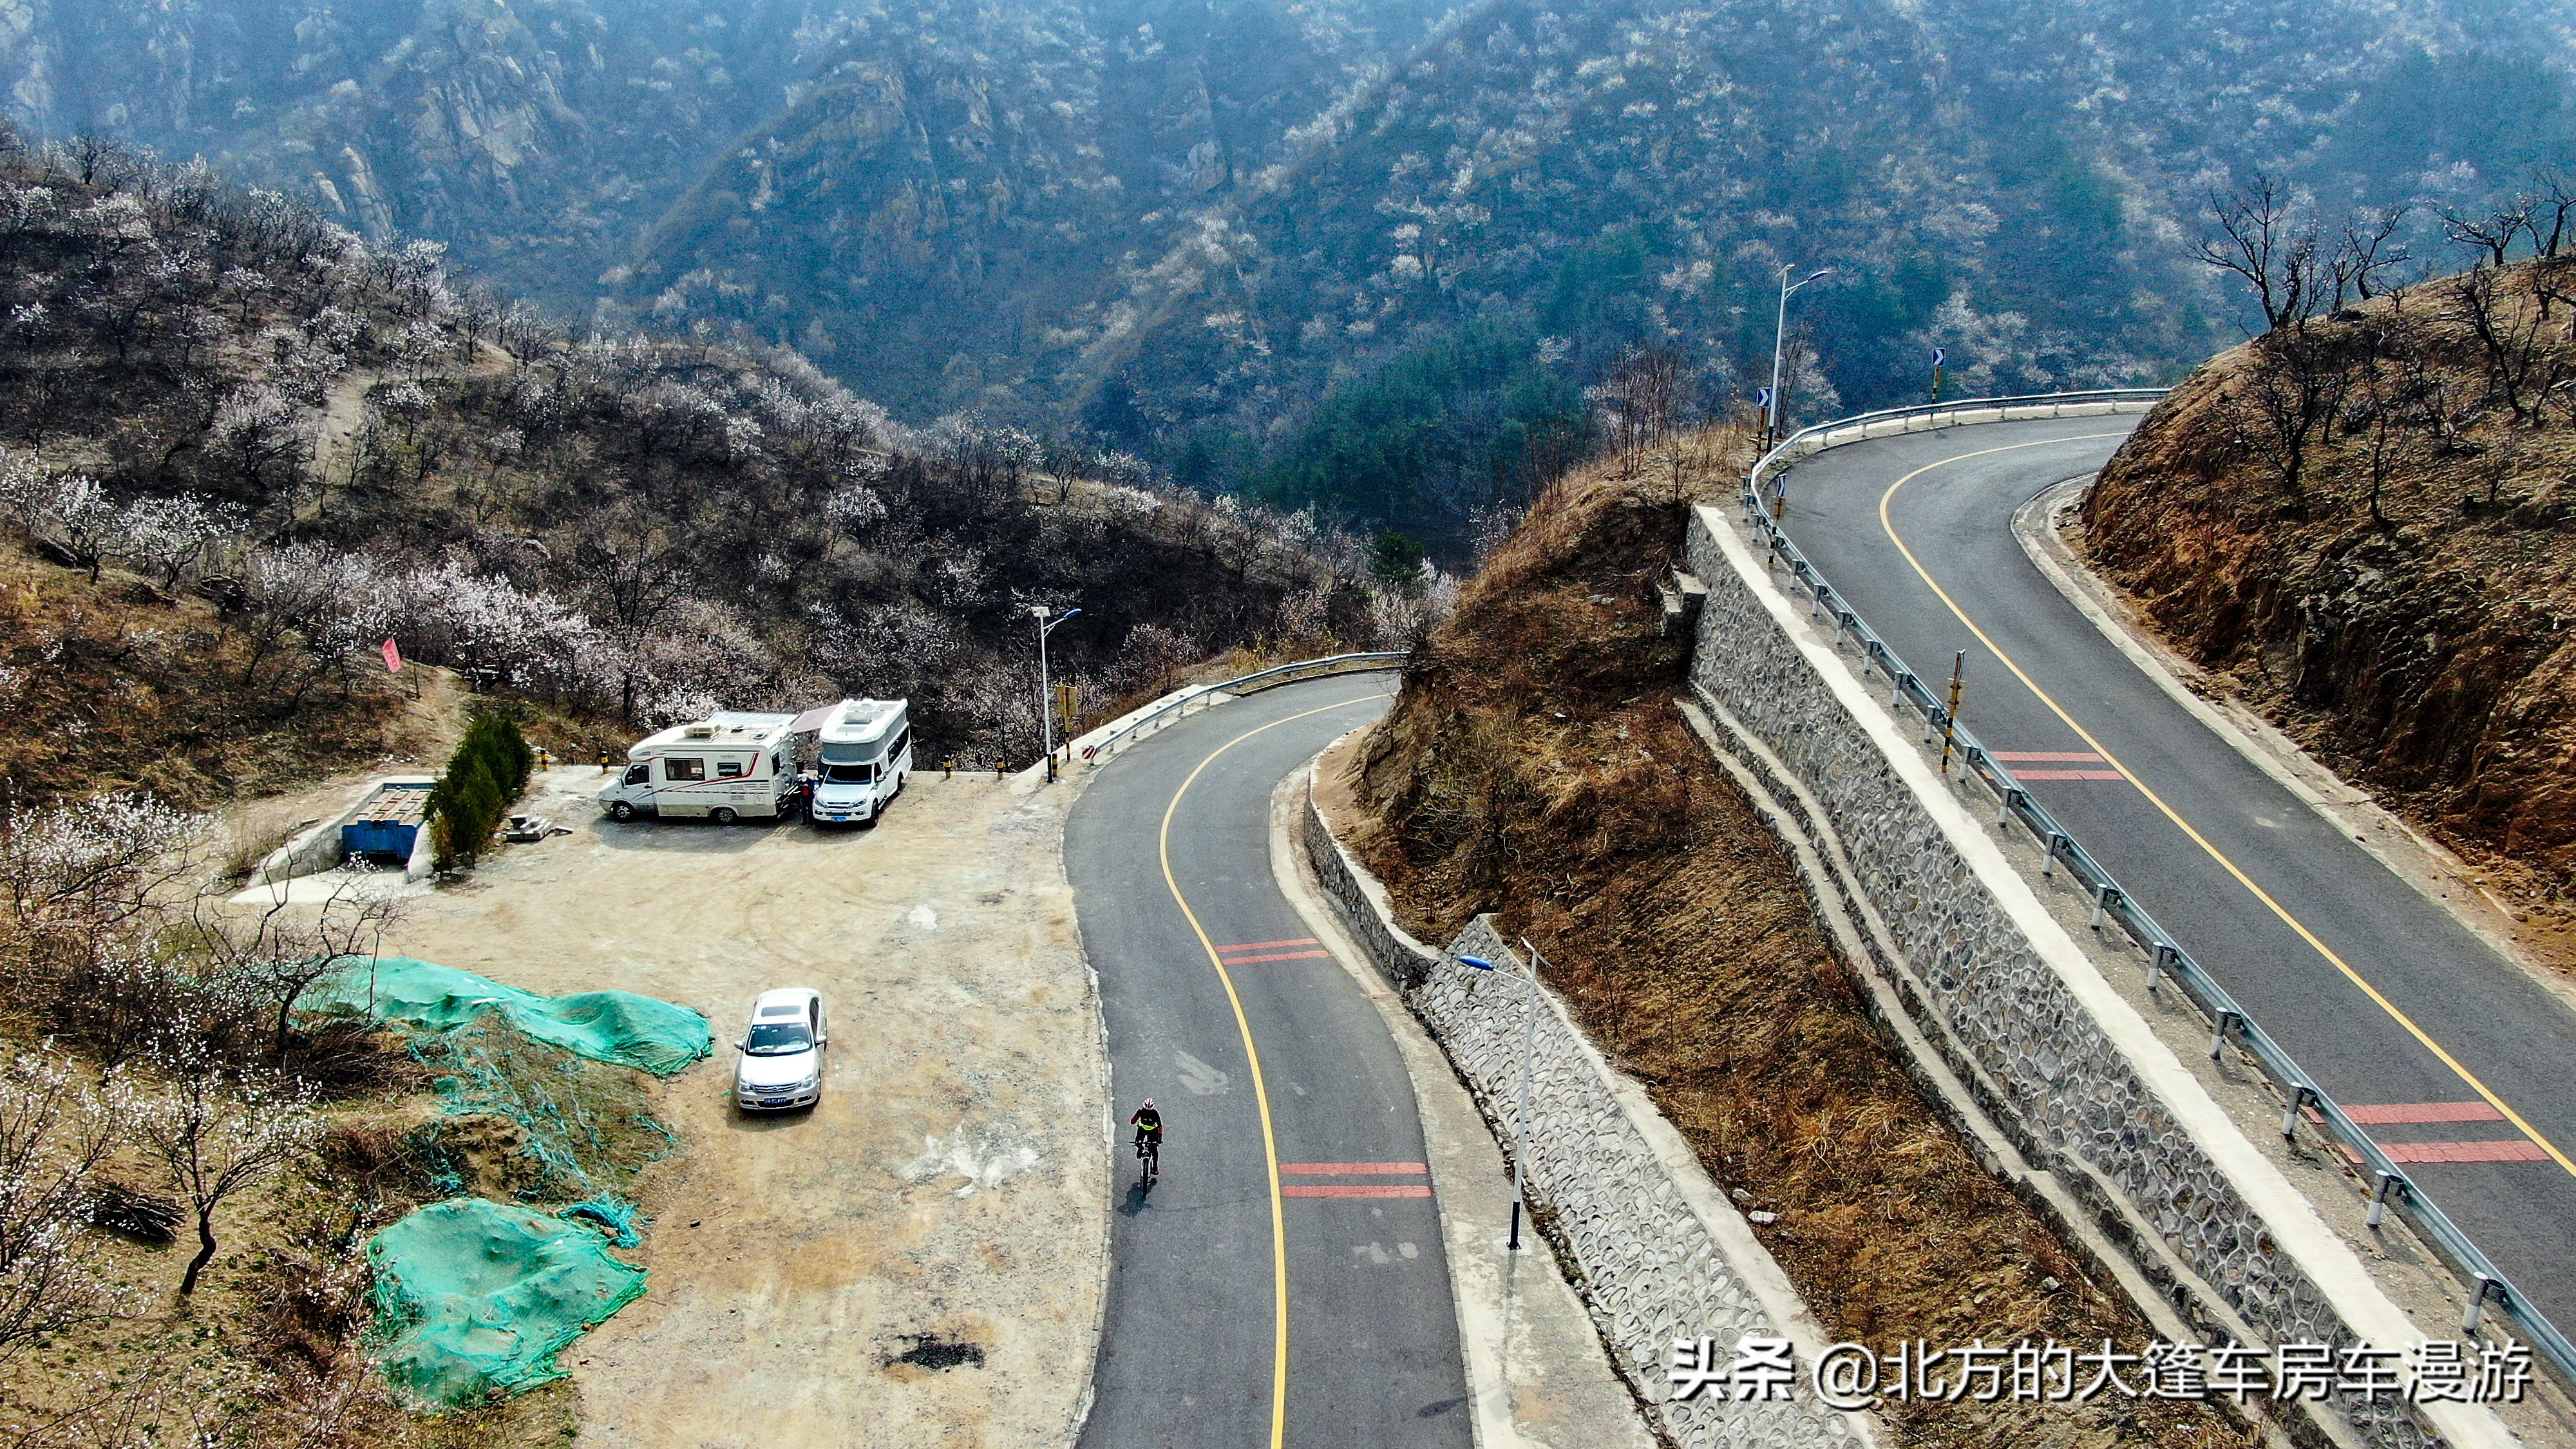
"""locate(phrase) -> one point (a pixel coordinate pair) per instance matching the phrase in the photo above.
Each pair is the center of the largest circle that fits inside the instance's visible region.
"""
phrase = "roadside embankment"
(2362, 526)
(1536, 768)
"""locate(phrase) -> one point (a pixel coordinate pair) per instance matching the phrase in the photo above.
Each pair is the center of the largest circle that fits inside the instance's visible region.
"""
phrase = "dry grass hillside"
(113, 685)
(2368, 530)
(1535, 766)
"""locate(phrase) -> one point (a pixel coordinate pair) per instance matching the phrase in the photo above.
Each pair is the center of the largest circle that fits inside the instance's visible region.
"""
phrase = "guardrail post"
(1896, 689)
(2290, 1118)
(2102, 902)
(2156, 967)
(2379, 1199)
(2048, 862)
(2004, 805)
(2477, 1305)
(2218, 1036)
(1842, 620)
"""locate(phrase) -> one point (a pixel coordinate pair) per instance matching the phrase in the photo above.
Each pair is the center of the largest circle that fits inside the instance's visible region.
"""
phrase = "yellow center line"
(2293, 922)
(1260, 1091)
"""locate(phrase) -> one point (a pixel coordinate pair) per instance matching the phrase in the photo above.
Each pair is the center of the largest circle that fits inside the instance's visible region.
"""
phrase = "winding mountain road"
(1284, 1282)
(2459, 1063)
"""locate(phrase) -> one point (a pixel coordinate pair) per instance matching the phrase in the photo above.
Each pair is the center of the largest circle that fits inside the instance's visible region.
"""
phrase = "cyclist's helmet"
(1149, 1101)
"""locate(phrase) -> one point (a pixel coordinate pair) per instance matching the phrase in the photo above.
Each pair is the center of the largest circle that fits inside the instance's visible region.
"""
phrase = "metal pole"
(1046, 716)
(1779, 327)
(1950, 721)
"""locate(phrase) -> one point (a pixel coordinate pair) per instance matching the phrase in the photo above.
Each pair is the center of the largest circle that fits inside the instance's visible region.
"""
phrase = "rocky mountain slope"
(2364, 523)
(1175, 225)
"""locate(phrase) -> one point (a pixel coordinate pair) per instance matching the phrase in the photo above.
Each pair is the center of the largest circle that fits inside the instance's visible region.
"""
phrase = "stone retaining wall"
(2082, 1084)
(1661, 1253)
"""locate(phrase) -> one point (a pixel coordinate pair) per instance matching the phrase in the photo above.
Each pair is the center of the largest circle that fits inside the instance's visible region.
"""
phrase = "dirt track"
(948, 1190)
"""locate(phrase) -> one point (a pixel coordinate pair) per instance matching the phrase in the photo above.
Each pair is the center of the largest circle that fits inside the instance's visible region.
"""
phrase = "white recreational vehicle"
(864, 749)
(723, 767)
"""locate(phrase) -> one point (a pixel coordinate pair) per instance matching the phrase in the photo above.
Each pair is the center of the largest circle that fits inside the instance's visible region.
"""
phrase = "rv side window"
(638, 774)
(683, 767)
(728, 769)
(777, 763)
(902, 742)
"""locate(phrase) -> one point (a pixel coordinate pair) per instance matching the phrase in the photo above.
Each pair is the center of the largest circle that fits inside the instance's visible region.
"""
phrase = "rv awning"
(812, 719)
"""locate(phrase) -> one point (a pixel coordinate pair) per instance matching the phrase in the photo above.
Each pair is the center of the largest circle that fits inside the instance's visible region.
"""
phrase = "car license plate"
(775, 1101)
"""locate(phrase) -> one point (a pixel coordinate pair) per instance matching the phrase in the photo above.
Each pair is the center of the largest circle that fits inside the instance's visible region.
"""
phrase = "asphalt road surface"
(2453, 1058)
(1304, 1172)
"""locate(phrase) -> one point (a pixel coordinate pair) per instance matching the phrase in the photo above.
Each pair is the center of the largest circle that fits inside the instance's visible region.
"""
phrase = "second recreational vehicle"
(863, 751)
(723, 767)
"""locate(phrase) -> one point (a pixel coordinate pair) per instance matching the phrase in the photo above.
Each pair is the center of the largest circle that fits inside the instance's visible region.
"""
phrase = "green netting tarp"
(606, 1026)
(474, 1295)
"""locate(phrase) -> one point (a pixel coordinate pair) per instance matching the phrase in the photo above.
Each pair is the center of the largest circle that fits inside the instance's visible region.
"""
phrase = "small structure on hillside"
(387, 824)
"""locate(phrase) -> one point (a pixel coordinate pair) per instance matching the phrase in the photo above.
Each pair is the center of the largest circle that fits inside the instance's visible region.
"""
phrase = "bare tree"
(272, 955)
(2493, 232)
(2295, 381)
(2275, 250)
(2520, 366)
(53, 1135)
(1642, 393)
(632, 577)
(2553, 205)
(217, 1133)
(2368, 251)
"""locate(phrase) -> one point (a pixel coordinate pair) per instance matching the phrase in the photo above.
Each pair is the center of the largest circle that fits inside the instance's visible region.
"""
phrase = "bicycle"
(1149, 1151)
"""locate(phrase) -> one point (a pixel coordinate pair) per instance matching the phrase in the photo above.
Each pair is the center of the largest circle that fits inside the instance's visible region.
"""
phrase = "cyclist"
(1149, 1133)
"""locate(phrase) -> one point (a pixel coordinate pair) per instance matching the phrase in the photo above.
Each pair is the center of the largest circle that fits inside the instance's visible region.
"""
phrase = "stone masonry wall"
(1662, 1254)
(2072, 1089)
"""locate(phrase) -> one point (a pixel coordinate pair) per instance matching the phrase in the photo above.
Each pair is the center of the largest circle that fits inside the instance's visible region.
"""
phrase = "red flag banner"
(393, 658)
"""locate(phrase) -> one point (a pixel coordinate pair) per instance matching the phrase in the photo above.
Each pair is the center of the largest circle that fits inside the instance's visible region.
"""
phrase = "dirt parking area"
(918, 1259)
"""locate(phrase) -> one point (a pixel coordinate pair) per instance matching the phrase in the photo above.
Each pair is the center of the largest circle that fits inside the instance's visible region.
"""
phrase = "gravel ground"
(917, 1260)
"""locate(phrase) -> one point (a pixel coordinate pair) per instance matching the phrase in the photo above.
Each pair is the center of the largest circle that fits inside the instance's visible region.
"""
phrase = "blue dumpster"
(387, 825)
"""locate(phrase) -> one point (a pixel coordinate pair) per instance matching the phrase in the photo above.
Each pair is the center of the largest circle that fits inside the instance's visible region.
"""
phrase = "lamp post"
(1779, 336)
(1529, 1056)
(1046, 715)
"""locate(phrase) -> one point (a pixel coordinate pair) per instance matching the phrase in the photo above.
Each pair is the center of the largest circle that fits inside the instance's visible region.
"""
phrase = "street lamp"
(1529, 1055)
(1046, 715)
(1779, 335)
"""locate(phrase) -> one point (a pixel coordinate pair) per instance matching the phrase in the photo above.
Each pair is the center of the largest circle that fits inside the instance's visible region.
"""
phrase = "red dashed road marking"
(2383, 1113)
(1354, 1169)
(1343, 1189)
(2061, 757)
(1267, 945)
(2519, 1149)
(1277, 956)
(2068, 775)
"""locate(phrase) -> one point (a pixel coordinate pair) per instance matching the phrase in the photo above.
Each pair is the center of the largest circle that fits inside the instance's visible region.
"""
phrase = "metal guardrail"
(1280, 674)
(2027, 405)
(2165, 955)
